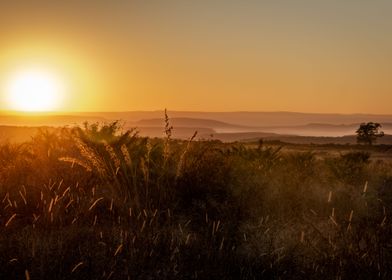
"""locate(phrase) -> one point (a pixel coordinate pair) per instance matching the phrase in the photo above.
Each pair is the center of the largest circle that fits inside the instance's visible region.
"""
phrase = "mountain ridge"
(292, 123)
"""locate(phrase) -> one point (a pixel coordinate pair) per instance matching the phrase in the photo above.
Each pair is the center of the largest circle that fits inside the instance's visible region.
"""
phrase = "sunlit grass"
(101, 203)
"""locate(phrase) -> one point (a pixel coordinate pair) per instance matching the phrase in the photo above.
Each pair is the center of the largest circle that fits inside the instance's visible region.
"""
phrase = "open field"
(101, 203)
(323, 151)
(275, 163)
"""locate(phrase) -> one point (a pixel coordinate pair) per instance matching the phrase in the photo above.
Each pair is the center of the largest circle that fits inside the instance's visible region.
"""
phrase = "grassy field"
(100, 203)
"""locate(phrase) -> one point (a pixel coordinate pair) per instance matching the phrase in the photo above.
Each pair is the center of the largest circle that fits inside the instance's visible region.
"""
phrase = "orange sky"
(309, 56)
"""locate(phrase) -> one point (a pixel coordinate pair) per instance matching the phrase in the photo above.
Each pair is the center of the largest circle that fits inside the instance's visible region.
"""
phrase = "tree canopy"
(367, 133)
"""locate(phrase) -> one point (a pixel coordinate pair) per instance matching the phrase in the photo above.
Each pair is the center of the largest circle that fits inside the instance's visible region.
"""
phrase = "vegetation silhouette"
(98, 202)
(368, 133)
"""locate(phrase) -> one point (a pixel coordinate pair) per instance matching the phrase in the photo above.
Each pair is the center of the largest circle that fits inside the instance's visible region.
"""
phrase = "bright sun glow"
(34, 90)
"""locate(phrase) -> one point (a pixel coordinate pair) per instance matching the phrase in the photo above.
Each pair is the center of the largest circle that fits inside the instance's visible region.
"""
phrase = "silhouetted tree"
(368, 133)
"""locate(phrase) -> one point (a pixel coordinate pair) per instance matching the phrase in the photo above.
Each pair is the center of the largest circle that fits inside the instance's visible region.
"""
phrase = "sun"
(34, 90)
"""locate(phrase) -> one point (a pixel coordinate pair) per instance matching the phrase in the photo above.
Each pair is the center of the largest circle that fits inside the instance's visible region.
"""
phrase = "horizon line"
(60, 112)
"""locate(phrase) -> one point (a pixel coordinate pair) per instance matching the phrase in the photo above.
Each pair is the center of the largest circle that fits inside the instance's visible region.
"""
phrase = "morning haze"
(205, 139)
(302, 56)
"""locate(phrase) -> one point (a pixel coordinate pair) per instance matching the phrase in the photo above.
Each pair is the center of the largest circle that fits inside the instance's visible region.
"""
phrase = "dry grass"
(99, 203)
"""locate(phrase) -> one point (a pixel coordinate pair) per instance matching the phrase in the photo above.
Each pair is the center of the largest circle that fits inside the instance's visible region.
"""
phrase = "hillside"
(228, 126)
(47, 119)
(295, 139)
(190, 122)
(255, 119)
(24, 133)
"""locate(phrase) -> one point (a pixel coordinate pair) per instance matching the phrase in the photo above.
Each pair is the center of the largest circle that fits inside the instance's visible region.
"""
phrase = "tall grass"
(97, 202)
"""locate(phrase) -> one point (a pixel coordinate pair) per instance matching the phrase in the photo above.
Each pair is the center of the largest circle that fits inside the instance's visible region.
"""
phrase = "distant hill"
(47, 120)
(313, 129)
(177, 132)
(185, 122)
(151, 123)
(316, 129)
(255, 136)
(193, 123)
(19, 133)
(22, 134)
(254, 119)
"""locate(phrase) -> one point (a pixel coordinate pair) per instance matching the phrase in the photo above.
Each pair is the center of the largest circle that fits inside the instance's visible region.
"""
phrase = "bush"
(99, 202)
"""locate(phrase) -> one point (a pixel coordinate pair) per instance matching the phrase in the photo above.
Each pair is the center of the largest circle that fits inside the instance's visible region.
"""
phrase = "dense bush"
(98, 202)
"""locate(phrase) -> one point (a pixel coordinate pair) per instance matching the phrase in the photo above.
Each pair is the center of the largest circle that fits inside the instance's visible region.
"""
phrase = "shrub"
(100, 202)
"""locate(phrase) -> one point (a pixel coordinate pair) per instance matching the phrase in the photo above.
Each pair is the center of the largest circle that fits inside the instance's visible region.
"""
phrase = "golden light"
(34, 90)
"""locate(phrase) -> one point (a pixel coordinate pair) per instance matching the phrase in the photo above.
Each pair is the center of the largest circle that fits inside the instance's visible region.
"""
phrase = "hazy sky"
(309, 56)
